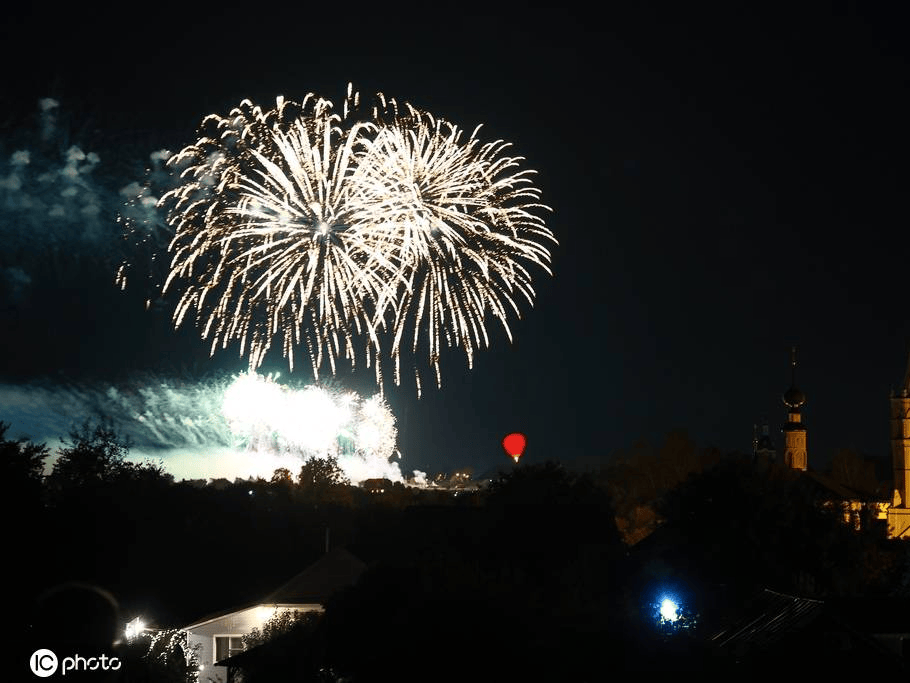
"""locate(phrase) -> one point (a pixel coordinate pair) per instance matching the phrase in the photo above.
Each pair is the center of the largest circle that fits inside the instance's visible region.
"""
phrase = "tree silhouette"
(25, 532)
(768, 526)
(548, 483)
(161, 656)
(321, 480)
(282, 476)
(22, 461)
(97, 455)
(526, 572)
(92, 455)
(278, 625)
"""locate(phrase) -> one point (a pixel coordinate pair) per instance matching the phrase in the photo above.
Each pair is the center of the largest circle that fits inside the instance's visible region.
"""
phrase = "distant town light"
(669, 610)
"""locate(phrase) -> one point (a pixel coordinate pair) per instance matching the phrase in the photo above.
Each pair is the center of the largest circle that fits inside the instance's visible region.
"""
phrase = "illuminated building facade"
(218, 637)
(899, 510)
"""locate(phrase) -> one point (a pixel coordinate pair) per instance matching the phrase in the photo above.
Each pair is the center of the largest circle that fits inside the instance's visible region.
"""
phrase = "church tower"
(762, 446)
(899, 512)
(795, 453)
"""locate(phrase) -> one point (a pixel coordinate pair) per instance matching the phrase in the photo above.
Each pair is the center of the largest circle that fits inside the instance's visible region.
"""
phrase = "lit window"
(227, 646)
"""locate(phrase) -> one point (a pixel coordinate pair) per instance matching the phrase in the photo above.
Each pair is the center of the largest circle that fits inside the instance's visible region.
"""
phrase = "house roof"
(313, 586)
(772, 617)
(829, 485)
(335, 570)
(809, 634)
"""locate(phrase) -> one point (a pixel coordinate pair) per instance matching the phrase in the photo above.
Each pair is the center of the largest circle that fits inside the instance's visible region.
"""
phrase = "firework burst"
(268, 241)
(463, 223)
(385, 227)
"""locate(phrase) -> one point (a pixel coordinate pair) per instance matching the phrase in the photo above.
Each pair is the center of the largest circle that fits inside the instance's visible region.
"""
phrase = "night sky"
(723, 187)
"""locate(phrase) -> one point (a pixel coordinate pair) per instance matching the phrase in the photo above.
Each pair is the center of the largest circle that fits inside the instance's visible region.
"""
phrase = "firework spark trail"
(383, 225)
(144, 230)
(252, 424)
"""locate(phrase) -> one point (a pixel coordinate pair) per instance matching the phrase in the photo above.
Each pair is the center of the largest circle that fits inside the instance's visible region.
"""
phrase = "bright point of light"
(669, 610)
(134, 628)
(264, 613)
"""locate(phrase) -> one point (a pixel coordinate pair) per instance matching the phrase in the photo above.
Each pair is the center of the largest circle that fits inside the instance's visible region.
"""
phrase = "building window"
(227, 646)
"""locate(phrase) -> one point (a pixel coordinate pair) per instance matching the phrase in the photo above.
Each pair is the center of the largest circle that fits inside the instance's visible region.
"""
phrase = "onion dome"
(794, 398)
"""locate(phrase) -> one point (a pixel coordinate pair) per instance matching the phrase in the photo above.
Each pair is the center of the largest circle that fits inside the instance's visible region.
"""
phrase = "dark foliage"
(519, 587)
(768, 525)
(321, 480)
(97, 455)
(158, 657)
(21, 460)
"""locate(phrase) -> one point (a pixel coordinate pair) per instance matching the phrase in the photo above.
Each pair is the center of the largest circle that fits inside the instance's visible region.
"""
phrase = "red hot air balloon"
(514, 445)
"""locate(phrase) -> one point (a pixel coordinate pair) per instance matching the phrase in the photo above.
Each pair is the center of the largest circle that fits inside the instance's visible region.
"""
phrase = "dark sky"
(723, 186)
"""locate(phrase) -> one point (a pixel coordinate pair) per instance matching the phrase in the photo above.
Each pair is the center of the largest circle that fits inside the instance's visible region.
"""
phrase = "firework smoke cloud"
(59, 204)
(49, 194)
(241, 426)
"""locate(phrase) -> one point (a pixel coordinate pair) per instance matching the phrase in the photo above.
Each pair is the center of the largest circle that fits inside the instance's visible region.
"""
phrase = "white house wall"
(235, 624)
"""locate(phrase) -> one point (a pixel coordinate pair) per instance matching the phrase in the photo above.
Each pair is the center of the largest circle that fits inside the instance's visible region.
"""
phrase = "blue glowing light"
(672, 612)
(669, 610)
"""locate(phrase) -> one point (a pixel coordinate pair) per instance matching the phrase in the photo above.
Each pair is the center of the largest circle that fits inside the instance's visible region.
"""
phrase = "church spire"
(795, 449)
(793, 397)
(905, 387)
